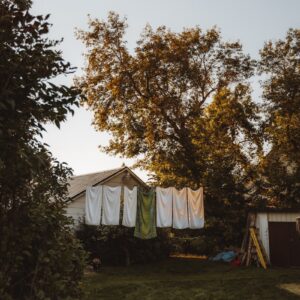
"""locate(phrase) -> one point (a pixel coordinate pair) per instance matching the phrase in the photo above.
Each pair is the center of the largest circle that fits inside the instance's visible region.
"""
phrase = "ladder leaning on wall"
(258, 247)
(252, 249)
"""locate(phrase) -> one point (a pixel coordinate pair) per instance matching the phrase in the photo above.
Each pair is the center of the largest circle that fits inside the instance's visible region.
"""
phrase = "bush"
(191, 241)
(116, 245)
(39, 256)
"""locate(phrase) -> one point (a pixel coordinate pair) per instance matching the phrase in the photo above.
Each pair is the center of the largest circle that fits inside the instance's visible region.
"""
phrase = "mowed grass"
(180, 278)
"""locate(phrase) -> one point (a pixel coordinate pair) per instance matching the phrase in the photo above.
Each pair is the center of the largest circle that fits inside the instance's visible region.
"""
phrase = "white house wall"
(76, 209)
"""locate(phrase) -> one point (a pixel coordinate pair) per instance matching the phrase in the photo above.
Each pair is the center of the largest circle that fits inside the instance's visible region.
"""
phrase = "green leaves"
(152, 101)
(39, 256)
(280, 166)
(116, 245)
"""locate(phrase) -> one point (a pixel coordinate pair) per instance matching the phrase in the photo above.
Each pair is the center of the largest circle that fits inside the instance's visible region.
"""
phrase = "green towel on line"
(145, 227)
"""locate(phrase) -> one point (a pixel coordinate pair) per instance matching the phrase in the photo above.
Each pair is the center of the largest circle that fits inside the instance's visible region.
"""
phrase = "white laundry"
(180, 210)
(93, 203)
(196, 208)
(164, 207)
(130, 204)
(111, 205)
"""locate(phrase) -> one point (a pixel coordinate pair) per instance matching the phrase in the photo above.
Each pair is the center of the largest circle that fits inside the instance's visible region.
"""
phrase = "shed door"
(284, 244)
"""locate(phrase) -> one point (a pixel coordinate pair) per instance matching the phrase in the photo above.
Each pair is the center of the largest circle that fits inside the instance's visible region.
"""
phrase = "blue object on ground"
(226, 256)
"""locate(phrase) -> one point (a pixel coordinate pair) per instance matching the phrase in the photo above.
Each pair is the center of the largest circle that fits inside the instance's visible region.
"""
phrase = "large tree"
(180, 102)
(280, 167)
(39, 256)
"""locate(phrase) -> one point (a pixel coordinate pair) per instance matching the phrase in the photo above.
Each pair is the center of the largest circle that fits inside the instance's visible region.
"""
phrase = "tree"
(280, 166)
(39, 256)
(180, 101)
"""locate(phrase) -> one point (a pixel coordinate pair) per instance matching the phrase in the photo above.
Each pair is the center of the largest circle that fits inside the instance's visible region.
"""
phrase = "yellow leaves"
(114, 86)
(170, 100)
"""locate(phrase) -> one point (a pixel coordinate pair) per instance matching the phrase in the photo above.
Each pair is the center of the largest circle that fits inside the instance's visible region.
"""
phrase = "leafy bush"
(200, 245)
(39, 256)
(116, 245)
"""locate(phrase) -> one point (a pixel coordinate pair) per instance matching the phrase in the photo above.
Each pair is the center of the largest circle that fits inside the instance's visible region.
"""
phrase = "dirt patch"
(88, 272)
(291, 287)
(202, 257)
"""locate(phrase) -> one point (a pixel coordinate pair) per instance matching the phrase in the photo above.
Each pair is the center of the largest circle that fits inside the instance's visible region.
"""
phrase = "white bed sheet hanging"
(111, 205)
(164, 198)
(130, 204)
(93, 203)
(195, 208)
(180, 210)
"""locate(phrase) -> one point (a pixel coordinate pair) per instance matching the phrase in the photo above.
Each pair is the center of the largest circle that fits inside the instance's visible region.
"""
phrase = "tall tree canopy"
(180, 101)
(280, 167)
(39, 257)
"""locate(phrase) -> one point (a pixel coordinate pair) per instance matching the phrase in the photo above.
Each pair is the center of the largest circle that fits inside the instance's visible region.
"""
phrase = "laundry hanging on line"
(111, 205)
(130, 204)
(164, 197)
(179, 209)
(195, 208)
(145, 227)
(93, 205)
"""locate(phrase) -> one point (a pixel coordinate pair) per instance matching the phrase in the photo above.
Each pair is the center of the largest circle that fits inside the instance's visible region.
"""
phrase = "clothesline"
(145, 209)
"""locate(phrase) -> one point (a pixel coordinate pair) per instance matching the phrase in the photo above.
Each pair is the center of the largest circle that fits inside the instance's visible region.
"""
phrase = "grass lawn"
(180, 278)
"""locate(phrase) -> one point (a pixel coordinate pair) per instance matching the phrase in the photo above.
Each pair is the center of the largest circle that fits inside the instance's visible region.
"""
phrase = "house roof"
(78, 184)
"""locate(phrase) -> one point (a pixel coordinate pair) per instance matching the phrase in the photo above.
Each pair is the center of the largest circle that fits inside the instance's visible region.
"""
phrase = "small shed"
(278, 234)
(123, 176)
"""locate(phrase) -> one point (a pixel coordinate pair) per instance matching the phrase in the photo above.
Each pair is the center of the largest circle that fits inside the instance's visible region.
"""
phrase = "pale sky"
(251, 22)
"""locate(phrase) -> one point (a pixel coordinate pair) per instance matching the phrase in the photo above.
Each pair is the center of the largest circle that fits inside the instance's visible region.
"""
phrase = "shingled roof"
(78, 184)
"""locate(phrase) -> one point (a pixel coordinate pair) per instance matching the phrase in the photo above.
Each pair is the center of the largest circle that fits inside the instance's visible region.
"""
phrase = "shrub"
(39, 256)
(116, 245)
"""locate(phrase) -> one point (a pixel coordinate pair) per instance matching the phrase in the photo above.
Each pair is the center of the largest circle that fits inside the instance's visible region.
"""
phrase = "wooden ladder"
(258, 248)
